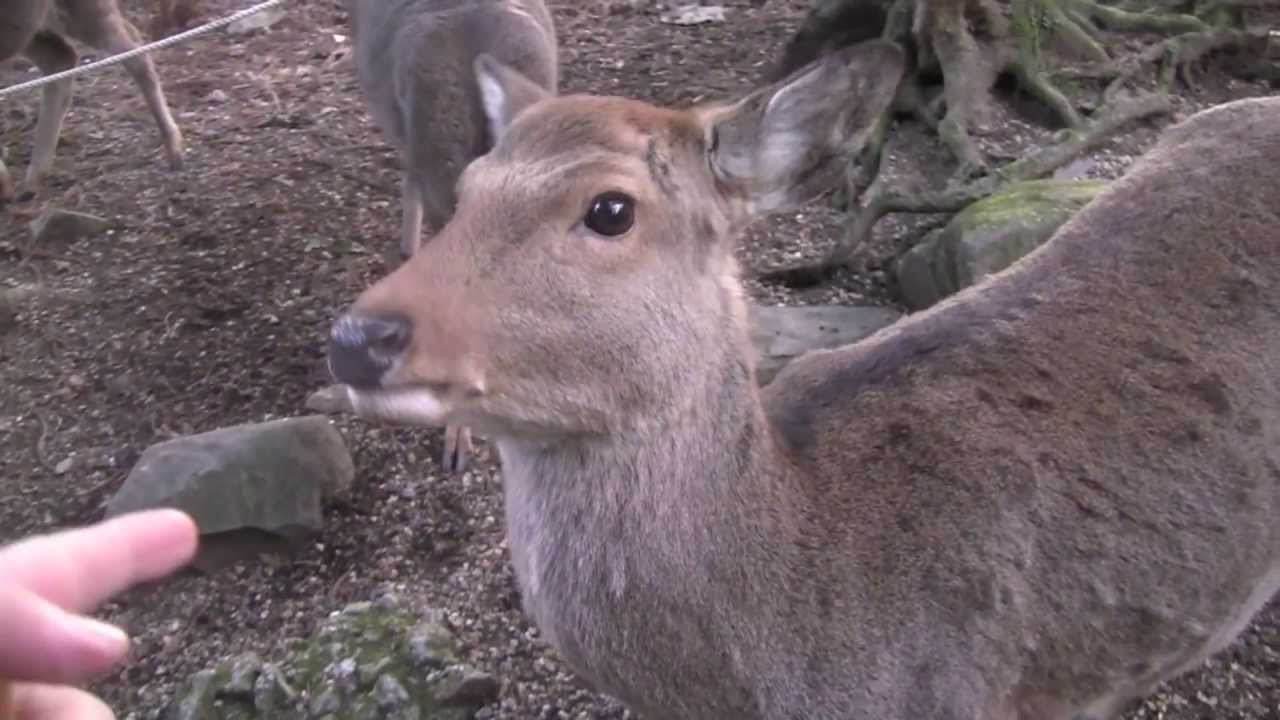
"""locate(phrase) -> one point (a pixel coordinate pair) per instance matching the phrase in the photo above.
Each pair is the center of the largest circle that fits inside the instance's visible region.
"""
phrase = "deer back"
(1071, 471)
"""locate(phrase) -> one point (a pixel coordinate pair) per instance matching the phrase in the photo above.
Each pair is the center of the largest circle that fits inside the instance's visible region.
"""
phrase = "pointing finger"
(79, 569)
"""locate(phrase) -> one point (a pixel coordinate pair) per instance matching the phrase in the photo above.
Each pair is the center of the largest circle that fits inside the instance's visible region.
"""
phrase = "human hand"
(47, 581)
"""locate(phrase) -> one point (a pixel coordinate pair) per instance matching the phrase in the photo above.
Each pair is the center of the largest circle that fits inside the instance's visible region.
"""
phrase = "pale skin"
(48, 643)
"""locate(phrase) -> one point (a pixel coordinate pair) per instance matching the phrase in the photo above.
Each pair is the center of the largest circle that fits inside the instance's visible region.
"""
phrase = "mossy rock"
(989, 236)
(372, 660)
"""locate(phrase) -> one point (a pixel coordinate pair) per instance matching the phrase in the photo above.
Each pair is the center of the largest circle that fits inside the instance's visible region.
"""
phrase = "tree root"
(881, 200)
(1114, 18)
(1014, 45)
(970, 43)
(1174, 56)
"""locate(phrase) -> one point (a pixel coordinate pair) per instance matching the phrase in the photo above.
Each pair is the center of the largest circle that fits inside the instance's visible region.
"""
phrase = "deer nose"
(363, 347)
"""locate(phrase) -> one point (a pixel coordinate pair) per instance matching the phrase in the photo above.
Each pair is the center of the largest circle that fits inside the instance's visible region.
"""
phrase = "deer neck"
(625, 541)
(706, 463)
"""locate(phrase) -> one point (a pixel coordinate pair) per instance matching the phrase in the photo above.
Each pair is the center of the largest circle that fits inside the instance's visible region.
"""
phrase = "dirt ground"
(209, 301)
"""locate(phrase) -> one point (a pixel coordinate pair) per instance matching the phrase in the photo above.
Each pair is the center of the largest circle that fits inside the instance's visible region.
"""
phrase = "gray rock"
(327, 703)
(271, 692)
(250, 488)
(369, 672)
(694, 14)
(989, 236)
(197, 696)
(780, 334)
(329, 399)
(389, 693)
(461, 687)
(359, 665)
(429, 645)
(243, 676)
(343, 676)
(63, 227)
(260, 20)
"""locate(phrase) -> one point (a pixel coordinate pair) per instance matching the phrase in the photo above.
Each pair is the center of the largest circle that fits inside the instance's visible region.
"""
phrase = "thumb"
(56, 702)
(43, 643)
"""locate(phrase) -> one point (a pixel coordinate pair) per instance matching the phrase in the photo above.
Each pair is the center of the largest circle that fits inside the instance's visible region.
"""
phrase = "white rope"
(171, 40)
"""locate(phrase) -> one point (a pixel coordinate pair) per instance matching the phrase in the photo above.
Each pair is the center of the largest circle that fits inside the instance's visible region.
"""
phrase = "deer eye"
(611, 214)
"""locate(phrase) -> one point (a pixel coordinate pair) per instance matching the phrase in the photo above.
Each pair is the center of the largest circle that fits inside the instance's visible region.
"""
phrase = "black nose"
(363, 347)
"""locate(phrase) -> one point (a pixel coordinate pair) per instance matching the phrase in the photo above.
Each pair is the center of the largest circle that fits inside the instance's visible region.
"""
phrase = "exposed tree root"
(1114, 18)
(970, 44)
(881, 200)
(975, 41)
(1175, 57)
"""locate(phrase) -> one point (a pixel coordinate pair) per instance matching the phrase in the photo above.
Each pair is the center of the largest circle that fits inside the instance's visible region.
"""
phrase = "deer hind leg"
(116, 35)
(52, 54)
(411, 209)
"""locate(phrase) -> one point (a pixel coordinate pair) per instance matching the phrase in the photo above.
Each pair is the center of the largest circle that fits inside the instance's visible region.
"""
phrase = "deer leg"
(438, 205)
(411, 218)
(457, 448)
(118, 35)
(52, 54)
(7, 190)
(16, 32)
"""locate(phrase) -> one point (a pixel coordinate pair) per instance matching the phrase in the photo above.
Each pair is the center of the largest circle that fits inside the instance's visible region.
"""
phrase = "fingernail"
(107, 639)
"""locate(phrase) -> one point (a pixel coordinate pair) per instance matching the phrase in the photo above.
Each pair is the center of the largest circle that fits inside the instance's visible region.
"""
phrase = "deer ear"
(504, 92)
(788, 142)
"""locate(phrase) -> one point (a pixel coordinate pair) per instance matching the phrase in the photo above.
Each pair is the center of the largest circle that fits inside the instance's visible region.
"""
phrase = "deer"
(1035, 500)
(414, 62)
(42, 31)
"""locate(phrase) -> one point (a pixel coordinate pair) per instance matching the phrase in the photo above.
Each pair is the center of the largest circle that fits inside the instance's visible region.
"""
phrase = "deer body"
(1034, 501)
(41, 30)
(414, 59)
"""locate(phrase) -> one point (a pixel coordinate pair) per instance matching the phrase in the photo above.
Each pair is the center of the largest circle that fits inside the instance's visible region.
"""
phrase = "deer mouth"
(401, 405)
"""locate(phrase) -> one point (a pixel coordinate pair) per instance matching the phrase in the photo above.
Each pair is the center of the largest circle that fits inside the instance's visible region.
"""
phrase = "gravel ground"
(208, 303)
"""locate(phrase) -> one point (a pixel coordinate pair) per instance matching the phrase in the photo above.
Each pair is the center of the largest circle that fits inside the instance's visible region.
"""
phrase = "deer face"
(587, 274)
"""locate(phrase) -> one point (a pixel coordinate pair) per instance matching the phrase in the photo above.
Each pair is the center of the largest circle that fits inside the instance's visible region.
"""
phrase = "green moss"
(1031, 198)
(989, 236)
(389, 646)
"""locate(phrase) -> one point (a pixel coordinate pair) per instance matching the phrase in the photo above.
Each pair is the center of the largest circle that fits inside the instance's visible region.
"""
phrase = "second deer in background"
(42, 31)
(415, 61)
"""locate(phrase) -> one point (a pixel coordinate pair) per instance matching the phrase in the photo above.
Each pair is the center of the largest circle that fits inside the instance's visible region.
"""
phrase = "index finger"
(79, 569)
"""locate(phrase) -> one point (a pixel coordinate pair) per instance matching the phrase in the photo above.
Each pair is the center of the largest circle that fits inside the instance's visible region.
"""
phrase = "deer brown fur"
(414, 60)
(1034, 501)
(42, 31)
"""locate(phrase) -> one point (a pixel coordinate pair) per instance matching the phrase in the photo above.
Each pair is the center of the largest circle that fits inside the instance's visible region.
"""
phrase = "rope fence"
(166, 42)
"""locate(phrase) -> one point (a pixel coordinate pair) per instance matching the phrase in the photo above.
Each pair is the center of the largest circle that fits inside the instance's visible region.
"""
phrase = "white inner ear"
(783, 139)
(780, 149)
(494, 99)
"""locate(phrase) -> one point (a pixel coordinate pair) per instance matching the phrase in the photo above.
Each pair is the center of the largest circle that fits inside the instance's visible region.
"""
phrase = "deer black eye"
(611, 214)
